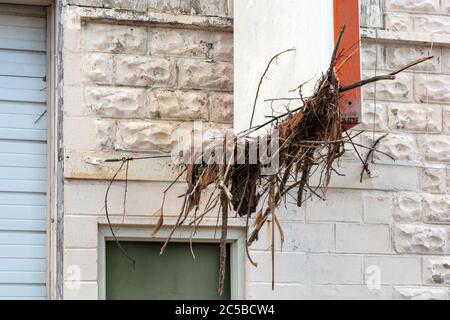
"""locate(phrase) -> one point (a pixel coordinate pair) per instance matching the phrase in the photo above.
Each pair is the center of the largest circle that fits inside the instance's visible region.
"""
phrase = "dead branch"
(366, 82)
(366, 161)
(390, 76)
(261, 81)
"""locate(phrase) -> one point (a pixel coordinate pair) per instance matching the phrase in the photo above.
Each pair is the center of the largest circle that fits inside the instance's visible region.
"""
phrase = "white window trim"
(236, 239)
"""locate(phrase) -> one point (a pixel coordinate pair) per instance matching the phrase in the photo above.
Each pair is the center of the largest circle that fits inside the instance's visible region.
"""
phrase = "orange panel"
(346, 12)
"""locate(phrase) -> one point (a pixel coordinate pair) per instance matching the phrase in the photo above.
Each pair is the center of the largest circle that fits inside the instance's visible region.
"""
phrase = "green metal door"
(174, 275)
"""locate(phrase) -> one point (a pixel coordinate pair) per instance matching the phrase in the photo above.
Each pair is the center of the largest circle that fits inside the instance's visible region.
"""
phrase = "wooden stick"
(366, 81)
(261, 81)
(366, 162)
(412, 64)
(336, 47)
(390, 76)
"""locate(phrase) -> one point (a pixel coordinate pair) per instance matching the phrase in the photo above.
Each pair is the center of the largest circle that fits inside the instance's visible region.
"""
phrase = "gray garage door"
(23, 152)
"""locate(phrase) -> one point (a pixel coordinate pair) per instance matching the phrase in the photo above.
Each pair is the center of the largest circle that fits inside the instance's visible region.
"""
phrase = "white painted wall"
(263, 28)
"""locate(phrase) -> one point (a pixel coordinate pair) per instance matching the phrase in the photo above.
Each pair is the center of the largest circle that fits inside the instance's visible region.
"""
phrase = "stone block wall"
(134, 73)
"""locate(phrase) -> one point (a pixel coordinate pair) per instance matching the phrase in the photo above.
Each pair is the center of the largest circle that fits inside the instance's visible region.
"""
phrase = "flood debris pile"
(306, 141)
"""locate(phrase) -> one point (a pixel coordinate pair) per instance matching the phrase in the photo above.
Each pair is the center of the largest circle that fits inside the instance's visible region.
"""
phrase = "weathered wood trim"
(59, 161)
(51, 152)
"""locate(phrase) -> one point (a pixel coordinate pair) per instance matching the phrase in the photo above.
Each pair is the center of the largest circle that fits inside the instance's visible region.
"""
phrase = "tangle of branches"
(311, 139)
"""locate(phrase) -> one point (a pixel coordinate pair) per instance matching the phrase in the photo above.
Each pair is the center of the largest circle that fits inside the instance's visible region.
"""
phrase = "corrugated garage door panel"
(23, 152)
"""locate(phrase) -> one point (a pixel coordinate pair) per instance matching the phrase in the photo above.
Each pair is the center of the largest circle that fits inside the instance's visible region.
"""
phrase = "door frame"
(53, 256)
(235, 236)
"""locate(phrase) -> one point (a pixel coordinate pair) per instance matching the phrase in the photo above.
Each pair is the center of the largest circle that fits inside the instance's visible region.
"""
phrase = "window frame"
(236, 239)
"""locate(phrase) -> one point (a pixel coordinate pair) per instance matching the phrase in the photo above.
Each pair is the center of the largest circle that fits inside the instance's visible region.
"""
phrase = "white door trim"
(236, 239)
(52, 147)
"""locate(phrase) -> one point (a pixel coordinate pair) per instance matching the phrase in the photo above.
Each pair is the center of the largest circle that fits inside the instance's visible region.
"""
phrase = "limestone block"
(408, 207)
(436, 270)
(388, 177)
(213, 134)
(413, 5)
(290, 212)
(448, 180)
(150, 136)
(87, 196)
(194, 43)
(80, 232)
(114, 38)
(354, 238)
(433, 180)
(105, 133)
(435, 147)
(399, 89)
(397, 270)
(437, 208)
(346, 292)
(285, 291)
(85, 291)
(370, 117)
(372, 55)
(87, 133)
(300, 237)
(445, 60)
(74, 68)
(181, 105)
(72, 97)
(201, 7)
(410, 238)
(432, 88)
(415, 117)
(377, 207)
(398, 56)
(84, 260)
(400, 147)
(446, 119)
(420, 293)
(287, 272)
(206, 75)
(231, 8)
(334, 209)
(336, 269)
(446, 6)
(432, 24)
(398, 22)
(145, 71)
(97, 68)
(72, 30)
(115, 102)
(221, 107)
